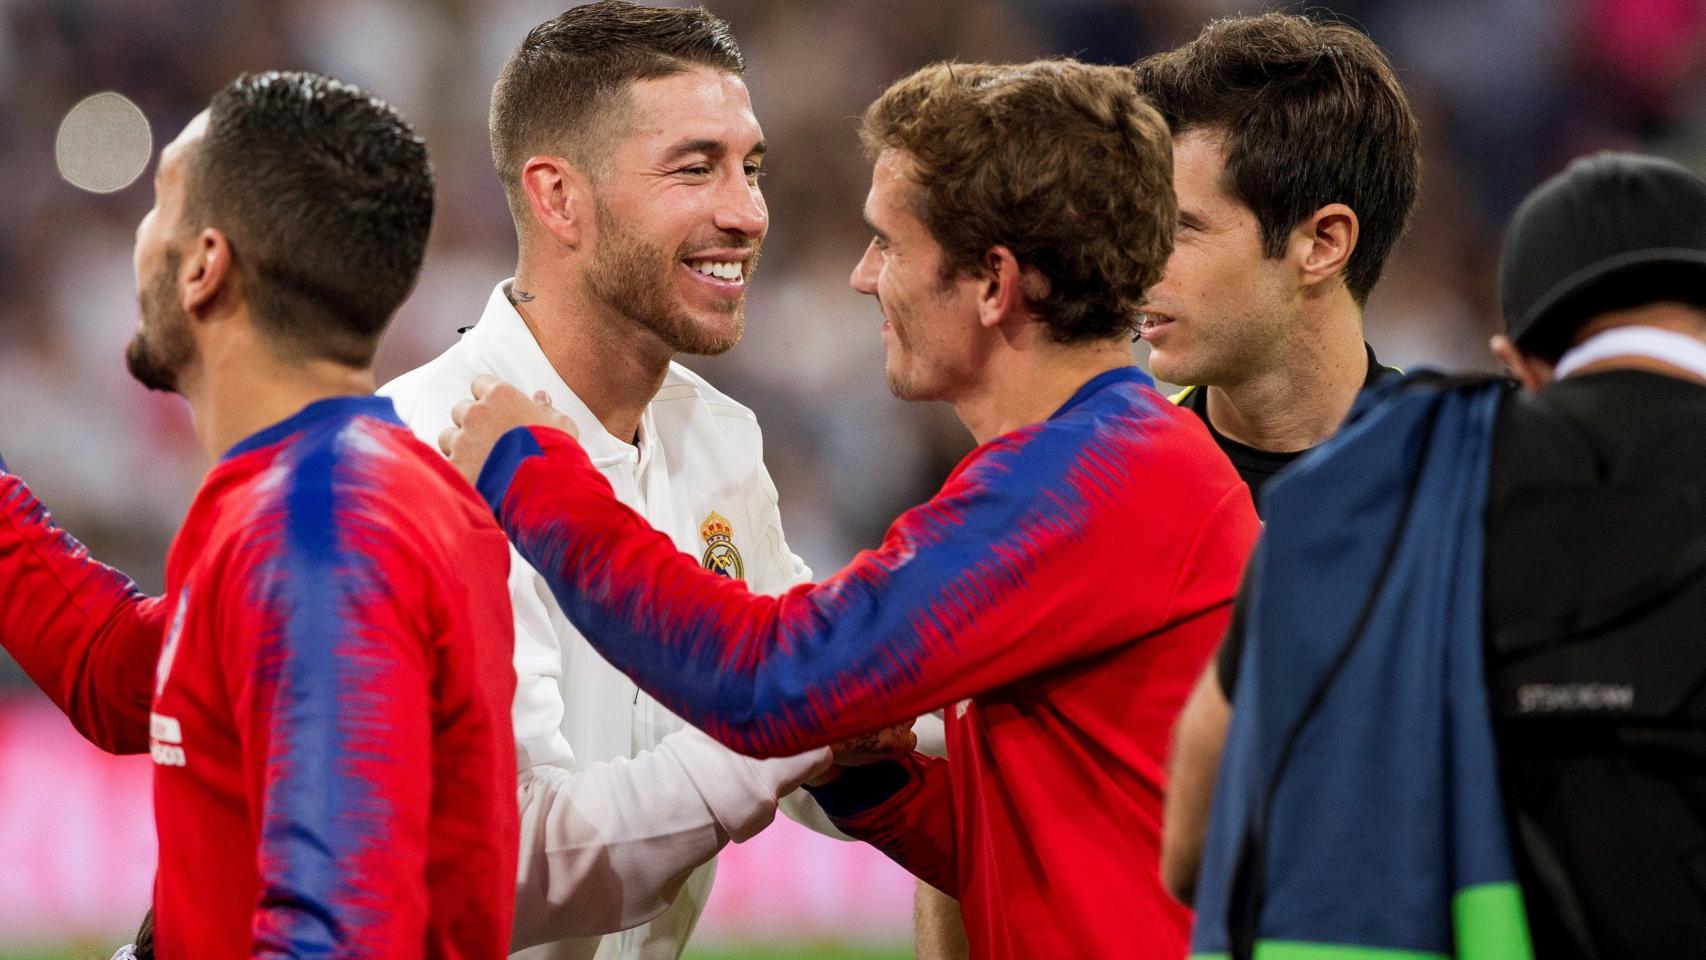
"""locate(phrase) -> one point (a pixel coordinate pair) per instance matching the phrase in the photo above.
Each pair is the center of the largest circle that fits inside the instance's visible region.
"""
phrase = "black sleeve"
(1231, 653)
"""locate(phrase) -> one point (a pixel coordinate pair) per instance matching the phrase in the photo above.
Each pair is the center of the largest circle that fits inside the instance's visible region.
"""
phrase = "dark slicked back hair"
(1056, 160)
(325, 194)
(565, 89)
(1311, 113)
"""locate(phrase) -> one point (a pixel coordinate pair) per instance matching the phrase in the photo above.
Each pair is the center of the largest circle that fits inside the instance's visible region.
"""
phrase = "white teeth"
(721, 269)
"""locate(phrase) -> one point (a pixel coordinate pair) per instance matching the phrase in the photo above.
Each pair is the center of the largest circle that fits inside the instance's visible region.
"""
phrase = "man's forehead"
(1200, 176)
(893, 178)
(699, 104)
(1203, 145)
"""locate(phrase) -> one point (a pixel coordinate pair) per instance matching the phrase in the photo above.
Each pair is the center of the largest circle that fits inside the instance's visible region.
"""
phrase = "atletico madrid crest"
(721, 557)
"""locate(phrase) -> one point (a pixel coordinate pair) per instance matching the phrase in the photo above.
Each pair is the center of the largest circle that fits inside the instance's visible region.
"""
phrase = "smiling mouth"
(1153, 323)
(728, 271)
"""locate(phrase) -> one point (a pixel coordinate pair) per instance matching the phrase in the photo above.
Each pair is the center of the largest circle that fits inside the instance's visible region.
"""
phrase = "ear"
(1324, 241)
(207, 272)
(560, 197)
(1532, 372)
(1006, 287)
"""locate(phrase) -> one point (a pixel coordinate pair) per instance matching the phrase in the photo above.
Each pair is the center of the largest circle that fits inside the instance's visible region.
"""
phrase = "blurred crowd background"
(1507, 91)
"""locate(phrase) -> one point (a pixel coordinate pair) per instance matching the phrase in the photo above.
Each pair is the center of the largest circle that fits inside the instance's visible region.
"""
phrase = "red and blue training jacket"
(1059, 596)
(325, 690)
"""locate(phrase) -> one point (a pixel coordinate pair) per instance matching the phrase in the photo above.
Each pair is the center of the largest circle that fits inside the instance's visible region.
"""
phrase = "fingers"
(890, 743)
(897, 741)
(492, 408)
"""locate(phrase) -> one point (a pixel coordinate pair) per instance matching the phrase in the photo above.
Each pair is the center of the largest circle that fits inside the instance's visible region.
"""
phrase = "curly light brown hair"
(1058, 161)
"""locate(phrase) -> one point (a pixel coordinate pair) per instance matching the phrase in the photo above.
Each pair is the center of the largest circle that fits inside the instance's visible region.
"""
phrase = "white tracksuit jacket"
(624, 806)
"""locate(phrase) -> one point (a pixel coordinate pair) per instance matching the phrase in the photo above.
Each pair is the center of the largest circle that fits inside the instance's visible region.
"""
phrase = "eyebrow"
(709, 146)
(873, 227)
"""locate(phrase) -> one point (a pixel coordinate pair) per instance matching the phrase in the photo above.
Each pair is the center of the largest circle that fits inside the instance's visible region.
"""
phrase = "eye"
(754, 170)
(697, 170)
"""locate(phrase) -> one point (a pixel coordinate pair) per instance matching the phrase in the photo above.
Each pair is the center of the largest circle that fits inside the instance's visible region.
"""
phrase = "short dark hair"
(573, 71)
(326, 196)
(1059, 161)
(1312, 114)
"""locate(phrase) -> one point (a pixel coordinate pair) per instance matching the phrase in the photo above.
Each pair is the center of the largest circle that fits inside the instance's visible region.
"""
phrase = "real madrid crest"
(720, 553)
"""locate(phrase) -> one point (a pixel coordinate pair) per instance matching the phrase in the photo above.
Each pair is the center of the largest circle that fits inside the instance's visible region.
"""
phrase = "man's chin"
(904, 386)
(709, 337)
(148, 370)
(1169, 367)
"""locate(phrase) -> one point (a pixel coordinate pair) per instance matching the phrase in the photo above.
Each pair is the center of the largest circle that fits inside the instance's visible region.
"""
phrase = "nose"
(864, 278)
(741, 209)
(1159, 288)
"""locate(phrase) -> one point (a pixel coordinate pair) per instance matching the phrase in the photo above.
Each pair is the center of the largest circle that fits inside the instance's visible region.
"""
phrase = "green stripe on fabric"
(1491, 923)
(1298, 950)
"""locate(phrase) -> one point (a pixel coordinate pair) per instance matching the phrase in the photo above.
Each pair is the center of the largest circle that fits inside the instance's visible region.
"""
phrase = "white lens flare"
(103, 144)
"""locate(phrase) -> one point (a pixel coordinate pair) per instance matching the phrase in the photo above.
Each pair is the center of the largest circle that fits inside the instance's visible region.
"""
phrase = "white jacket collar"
(502, 336)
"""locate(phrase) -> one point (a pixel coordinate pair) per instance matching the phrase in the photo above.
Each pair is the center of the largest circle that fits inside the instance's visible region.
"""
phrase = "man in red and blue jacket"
(1058, 596)
(325, 685)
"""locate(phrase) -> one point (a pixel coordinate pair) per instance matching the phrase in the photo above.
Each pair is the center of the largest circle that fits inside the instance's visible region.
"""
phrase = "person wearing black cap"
(1596, 558)
(1469, 664)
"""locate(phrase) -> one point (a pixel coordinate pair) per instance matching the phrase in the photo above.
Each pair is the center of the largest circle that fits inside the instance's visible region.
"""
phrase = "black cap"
(1613, 230)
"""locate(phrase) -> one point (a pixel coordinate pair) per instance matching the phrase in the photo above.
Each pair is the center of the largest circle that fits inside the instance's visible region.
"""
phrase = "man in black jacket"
(1593, 601)
(1595, 586)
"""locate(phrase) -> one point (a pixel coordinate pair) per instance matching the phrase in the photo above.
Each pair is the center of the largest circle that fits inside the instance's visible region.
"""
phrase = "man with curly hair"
(1058, 596)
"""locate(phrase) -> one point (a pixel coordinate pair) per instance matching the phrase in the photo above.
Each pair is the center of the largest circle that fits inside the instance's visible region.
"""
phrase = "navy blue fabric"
(515, 446)
(329, 410)
(861, 788)
(1358, 791)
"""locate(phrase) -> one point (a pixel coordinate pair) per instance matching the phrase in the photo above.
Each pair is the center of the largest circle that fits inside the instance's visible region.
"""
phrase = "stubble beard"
(635, 279)
(162, 345)
(1228, 352)
(936, 381)
(902, 385)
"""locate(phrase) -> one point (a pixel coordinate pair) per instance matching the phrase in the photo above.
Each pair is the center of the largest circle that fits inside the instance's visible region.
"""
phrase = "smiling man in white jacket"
(629, 154)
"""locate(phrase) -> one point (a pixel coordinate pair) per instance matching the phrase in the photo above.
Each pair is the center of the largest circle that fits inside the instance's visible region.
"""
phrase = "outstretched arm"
(81, 630)
(979, 587)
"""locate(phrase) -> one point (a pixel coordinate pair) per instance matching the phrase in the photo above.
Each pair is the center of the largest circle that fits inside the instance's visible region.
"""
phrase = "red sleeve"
(332, 697)
(81, 630)
(984, 585)
(905, 809)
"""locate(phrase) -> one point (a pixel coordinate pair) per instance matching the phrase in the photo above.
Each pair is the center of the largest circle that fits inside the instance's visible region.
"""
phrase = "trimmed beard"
(625, 277)
(162, 345)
